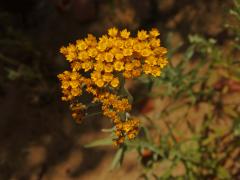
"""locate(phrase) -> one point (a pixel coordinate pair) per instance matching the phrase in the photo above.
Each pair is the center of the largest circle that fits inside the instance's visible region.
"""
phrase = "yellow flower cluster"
(127, 129)
(99, 67)
(78, 111)
(113, 107)
(71, 84)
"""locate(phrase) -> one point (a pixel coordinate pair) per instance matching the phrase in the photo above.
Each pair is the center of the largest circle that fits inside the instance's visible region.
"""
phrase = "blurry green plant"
(205, 74)
(18, 56)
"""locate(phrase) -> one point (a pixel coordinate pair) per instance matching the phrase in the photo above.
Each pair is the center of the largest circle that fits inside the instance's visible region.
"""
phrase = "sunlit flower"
(118, 65)
(154, 32)
(125, 34)
(129, 66)
(142, 35)
(108, 68)
(119, 56)
(81, 45)
(115, 82)
(109, 57)
(127, 52)
(107, 77)
(113, 32)
(99, 67)
(100, 83)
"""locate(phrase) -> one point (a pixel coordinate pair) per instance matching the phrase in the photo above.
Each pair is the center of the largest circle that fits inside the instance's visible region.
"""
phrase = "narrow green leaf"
(117, 160)
(99, 142)
(189, 53)
(236, 126)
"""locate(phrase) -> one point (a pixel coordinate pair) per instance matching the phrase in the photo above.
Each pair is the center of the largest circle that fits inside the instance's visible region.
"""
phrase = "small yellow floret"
(142, 35)
(154, 32)
(109, 57)
(81, 45)
(125, 34)
(113, 32)
(119, 65)
(115, 82)
(100, 83)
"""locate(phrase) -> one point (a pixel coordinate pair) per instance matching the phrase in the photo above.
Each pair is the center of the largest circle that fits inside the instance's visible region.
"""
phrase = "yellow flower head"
(65, 85)
(100, 83)
(109, 57)
(92, 52)
(127, 74)
(63, 50)
(83, 55)
(146, 52)
(87, 66)
(127, 52)
(100, 57)
(74, 84)
(129, 66)
(107, 77)
(119, 43)
(125, 34)
(91, 40)
(162, 62)
(160, 51)
(95, 75)
(102, 46)
(138, 47)
(142, 35)
(136, 72)
(119, 56)
(151, 60)
(156, 71)
(110, 42)
(76, 66)
(115, 82)
(147, 69)
(78, 110)
(81, 45)
(136, 63)
(119, 65)
(76, 92)
(71, 48)
(75, 76)
(155, 43)
(71, 56)
(108, 68)
(113, 32)
(129, 43)
(99, 66)
(154, 32)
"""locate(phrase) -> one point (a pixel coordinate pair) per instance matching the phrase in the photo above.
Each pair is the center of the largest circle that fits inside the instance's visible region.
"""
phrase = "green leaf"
(189, 53)
(108, 130)
(12, 75)
(194, 39)
(117, 160)
(236, 126)
(222, 173)
(100, 142)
